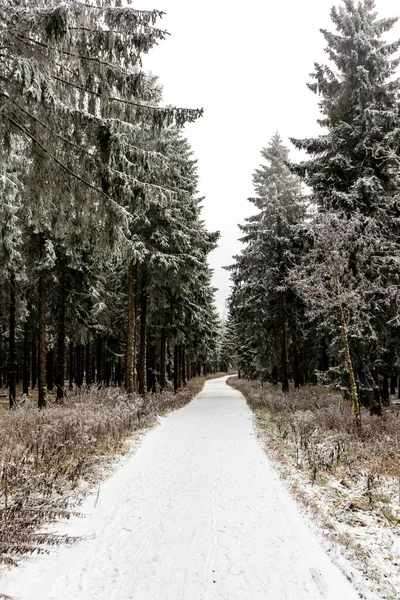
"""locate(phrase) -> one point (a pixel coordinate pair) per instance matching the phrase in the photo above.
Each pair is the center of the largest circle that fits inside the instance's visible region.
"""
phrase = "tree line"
(103, 252)
(316, 288)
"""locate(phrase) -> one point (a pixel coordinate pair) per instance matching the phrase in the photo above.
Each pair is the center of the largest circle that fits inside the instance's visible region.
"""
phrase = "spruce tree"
(262, 300)
(353, 172)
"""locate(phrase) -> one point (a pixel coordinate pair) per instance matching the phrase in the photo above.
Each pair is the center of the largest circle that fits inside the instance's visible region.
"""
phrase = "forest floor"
(350, 487)
(196, 513)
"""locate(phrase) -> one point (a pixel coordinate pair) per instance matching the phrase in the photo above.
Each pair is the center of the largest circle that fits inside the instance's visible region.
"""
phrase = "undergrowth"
(351, 484)
(319, 428)
(50, 458)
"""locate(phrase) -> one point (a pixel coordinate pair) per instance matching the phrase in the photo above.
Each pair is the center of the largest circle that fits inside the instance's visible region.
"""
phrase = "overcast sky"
(247, 65)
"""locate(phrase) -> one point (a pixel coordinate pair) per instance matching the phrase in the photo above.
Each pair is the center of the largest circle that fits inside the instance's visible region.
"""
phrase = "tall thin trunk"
(176, 368)
(296, 359)
(163, 359)
(385, 391)
(324, 356)
(93, 362)
(131, 333)
(99, 360)
(375, 400)
(183, 365)
(42, 331)
(180, 366)
(50, 369)
(71, 365)
(188, 366)
(353, 385)
(118, 375)
(79, 365)
(12, 365)
(393, 385)
(34, 359)
(151, 368)
(88, 372)
(26, 359)
(107, 367)
(1, 364)
(143, 334)
(61, 335)
(282, 343)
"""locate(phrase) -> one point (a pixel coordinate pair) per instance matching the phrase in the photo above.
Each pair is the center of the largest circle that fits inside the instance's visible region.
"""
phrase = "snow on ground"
(364, 539)
(198, 513)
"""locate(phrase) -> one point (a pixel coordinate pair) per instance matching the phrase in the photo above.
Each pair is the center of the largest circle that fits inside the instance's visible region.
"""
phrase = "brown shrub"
(47, 456)
(319, 427)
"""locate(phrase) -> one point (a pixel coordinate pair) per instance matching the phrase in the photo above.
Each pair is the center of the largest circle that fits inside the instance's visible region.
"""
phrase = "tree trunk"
(88, 364)
(12, 365)
(61, 336)
(296, 367)
(183, 365)
(176, 368)
(107, 367)
(151, 364)
(131, 333)
(79, 369)
(93, 362)
(385, 391)
(163, 360)
(50, 369)
(188, 366)
(42, 333)
(282, 343)
(143, 334)
(71, 365)
(324, 356)
(353, 386)
(34, 359)
(180, 364)
(99, 360)
(393, 385)
(119, 372)
(26, 360)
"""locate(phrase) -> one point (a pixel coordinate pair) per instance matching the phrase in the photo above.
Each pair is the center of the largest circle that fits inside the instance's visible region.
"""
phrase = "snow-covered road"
(198, 513)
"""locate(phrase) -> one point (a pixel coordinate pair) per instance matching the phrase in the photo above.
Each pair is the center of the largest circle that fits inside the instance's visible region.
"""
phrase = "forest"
(103, 250)
(108, 319)
(315, 295)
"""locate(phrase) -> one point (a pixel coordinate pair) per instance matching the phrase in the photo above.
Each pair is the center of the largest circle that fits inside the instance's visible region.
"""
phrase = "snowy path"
(196, 514)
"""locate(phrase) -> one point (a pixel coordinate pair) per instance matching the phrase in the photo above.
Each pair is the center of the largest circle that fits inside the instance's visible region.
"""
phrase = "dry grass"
(49, 458)
(350, 485)
(319, 427)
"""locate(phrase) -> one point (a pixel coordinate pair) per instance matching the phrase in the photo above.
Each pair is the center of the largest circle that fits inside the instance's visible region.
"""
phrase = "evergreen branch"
(197, 112)
(148, 13)
(52, 131)
(153, 186)
(81, 149)
(67, 169)
(25, 40)
(116, 31)
(152, 153)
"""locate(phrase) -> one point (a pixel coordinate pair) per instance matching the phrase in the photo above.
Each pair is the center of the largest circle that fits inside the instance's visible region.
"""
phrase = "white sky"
(247, 65)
